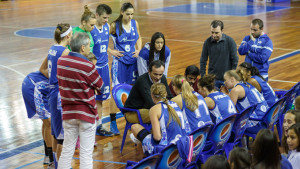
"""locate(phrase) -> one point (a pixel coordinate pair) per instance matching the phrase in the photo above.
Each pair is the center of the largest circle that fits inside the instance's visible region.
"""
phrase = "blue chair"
(120, 94)
(170, 158)
(239, 128)
(199, 138)
(150, 162)
(218, 136)
(290, 97)
(271, 116)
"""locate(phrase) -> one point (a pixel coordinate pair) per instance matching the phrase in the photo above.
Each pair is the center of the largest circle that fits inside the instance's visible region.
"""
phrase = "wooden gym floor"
(185, 24)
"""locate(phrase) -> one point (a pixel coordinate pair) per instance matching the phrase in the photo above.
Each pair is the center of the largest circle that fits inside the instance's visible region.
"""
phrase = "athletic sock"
(50, 152)
(45, 147)
(113, 117)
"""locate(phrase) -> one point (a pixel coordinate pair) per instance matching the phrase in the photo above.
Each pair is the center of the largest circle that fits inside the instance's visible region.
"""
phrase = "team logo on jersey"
(174, 158)
(98, 41)
(52, 52)
(225, 131)
(126, 40)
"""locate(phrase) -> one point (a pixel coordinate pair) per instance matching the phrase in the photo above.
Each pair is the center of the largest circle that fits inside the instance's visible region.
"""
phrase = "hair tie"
(66, 33)
(156, 95)
(59, 27)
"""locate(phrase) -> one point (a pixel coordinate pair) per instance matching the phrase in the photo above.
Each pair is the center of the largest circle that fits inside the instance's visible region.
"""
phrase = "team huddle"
(73, 81)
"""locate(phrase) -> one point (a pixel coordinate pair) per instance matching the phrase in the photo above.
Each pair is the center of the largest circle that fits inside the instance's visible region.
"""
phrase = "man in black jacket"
(140, 96)
(221, 51)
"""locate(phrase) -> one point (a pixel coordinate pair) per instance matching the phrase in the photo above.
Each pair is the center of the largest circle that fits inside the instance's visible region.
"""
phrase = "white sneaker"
(46, 160)
(135, 140)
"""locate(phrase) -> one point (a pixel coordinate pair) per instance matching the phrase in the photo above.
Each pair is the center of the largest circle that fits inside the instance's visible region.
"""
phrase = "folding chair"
(239, 128)
(199, 138)
(290, 97)
(170, 158)
(218, 136)
(147, 163)
(271, 116)
(120, 94)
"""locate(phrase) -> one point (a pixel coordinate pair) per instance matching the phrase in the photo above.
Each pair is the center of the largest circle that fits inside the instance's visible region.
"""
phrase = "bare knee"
(136, 128)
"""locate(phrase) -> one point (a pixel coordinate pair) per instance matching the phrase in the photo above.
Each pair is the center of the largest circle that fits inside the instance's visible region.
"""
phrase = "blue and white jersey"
(224, 106)
(266, 91)
(200, 117)
(101, 39)
(54, 53)
(252, 97)
(171, 133)
(126, 42)
(143, 59)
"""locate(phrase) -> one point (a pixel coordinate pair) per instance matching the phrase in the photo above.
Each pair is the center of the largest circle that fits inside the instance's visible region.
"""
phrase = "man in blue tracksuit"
(257, 47)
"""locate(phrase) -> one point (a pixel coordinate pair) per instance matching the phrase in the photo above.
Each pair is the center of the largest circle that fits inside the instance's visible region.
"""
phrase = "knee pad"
(142, 134)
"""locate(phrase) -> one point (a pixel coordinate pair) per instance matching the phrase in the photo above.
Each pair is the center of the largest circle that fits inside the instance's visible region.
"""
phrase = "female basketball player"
(244, 95)
(166, 119)
(191, 103)
(218, 103)
(62, 37)
(88, 21)
(253, 77)
(35, 91)
(126, 35)
(154, 50)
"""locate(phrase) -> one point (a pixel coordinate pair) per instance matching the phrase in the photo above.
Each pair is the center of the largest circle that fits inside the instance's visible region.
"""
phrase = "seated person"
(191, 103)
(191, 75)
(154, 50)
(140, 97)
(253, 77)
(244, 95)
(166, 119)
(219, 104)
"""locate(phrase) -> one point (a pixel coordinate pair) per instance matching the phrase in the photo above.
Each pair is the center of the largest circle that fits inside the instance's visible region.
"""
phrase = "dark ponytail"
(124, 7)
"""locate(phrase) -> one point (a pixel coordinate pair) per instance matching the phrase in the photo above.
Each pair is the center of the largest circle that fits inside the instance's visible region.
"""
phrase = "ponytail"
(190, 99)
(208, 81)
(255, 72)
(124, 7)
(87, 14)
(158, 90)
(60, 30)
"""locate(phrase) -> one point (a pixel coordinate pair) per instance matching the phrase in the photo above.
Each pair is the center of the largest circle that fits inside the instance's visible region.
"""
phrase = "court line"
(19, 73)
(38, 143)
(273, 80)
(287, 55)
(29, 163)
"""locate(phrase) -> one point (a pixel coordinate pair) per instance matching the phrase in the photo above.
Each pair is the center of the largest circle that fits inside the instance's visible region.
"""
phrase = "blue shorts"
(56, 113)
(105, 90)
(35, 102)
(123, 73)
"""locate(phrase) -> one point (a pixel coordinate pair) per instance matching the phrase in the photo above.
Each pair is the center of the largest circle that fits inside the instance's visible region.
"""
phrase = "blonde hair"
(60, 29)
(158, 90)
(87, 14)
(191, 100)
(232, 73)
(243, 74)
